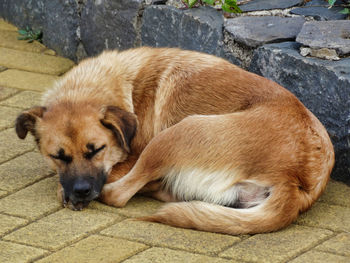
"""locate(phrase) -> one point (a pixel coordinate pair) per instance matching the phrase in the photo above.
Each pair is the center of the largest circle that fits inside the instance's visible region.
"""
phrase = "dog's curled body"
(240, 153)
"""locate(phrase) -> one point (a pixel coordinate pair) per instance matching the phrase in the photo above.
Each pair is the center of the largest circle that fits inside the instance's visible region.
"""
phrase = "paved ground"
(34, 227)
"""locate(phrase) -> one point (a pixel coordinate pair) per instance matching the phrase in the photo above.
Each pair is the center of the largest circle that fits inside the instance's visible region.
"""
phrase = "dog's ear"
(122, 123)
(25, 122)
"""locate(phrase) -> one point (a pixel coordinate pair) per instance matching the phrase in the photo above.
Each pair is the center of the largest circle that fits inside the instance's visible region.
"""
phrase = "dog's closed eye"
(92, 150)
(62, 156)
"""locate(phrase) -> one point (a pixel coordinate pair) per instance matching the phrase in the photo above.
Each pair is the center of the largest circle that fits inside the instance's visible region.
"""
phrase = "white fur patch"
(196, 184)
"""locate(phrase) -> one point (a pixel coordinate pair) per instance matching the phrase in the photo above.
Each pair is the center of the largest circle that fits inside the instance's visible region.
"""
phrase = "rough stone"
(336, 193)
(336, 218)
(6, 92)
(257, 5)
(160, 255)
(256, 31)
(33, 201)
(9, 223)
(47, 15)
(276, 247)
(109, 24)
(96, 249)
(62, 228)
(337, 245)
(138, 206)
(34, 62)
(326, 34)
(318, 9)
(22, 171)
(324, 53)
(20, 79)
(193, 29)
(320, 257)
(7, 117)
(11, 252)
(166, 236)
(328, 96)
(11, 146)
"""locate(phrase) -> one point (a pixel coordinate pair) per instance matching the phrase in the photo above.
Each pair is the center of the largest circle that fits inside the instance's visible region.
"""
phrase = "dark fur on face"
(81, 142)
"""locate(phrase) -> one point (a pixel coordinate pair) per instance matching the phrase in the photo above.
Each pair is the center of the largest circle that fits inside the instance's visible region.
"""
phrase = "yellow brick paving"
(35, 228)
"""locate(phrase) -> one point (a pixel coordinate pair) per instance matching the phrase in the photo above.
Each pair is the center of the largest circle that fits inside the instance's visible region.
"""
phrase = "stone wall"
(261, 40)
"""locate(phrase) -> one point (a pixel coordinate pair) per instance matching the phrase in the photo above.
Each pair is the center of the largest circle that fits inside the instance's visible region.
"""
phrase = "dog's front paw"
(110, 196)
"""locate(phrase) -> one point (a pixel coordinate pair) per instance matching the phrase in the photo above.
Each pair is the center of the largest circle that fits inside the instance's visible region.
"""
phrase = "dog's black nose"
(82, 188)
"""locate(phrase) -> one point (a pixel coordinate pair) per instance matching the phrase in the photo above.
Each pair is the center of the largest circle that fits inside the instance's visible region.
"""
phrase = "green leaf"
(345, 11)
(22, 32)
(233, 6)
(209, 2)
(191, 3)
(226, 8)
(331, 2)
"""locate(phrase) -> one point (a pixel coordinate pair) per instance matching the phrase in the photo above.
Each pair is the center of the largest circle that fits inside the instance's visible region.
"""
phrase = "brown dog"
(253, 159)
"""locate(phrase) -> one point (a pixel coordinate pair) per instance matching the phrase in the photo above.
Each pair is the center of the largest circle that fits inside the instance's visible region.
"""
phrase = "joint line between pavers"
(331, 252)
(14, 157)
(24, 244)
(312, 246)
(30, 184)
(9, 96)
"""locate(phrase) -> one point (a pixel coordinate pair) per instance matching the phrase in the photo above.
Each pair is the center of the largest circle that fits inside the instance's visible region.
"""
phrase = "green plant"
(345, 11)
(229, 6)
(29, 34)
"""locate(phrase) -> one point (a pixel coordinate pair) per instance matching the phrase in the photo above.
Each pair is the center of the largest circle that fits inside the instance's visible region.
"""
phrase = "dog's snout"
(82, 188)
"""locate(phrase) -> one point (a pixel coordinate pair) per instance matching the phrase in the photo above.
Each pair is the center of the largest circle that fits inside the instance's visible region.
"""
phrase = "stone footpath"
(35, 228)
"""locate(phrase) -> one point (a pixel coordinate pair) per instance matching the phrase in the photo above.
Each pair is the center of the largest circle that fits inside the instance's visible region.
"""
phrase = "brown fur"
(253, 141)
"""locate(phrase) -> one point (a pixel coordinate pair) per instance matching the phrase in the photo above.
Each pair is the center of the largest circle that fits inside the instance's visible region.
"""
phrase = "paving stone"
(256, 31)
(322, 215)
(22, 171)
(19, 79)
(138, 206)
(257, 5)
(326, 34)
(319, 10)
(166, 236)
(3, 193)
(96, 249)
(160, 255)
(9, 40)
(10, 253)
(23, 100)
(339, 244)
(6, 92)
(62, 228)
(320, 257)
(336, 193)
(34, 62)
(278, 246)
(11, 146)
(8, 223)
(33, 201)
(6, 26)
(7, 117)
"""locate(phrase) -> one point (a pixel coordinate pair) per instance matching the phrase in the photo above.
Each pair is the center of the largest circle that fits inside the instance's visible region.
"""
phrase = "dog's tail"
(275, 212)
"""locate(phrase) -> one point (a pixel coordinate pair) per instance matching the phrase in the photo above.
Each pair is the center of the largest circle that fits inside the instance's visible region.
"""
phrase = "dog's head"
(82, 142)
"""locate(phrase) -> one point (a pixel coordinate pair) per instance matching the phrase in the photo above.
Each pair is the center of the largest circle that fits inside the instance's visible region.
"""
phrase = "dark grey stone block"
(194, 29)
(109, 24)
(57, 19)
(318, 9)
(256, 31)
(257, 5)
(323, 86)
(326, 34)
